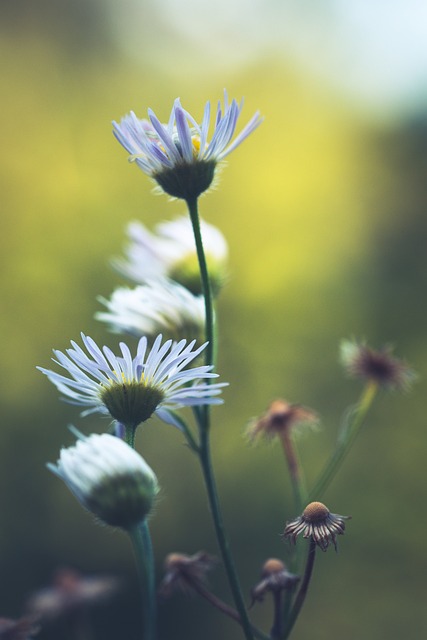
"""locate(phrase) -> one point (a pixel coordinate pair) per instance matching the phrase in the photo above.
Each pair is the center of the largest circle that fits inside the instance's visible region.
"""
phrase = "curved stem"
(191, 441)
(302, 592)
(345, 440)
(203, 420)
(141, 541)
(205, 460)
(223, 607)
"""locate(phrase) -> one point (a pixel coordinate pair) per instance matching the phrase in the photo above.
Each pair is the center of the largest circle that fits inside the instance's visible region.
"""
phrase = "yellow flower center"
(131, 402)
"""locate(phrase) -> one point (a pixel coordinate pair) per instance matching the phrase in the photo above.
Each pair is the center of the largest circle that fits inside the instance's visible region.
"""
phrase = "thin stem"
(191, 441)
(223, 607)
(300, 498)
(277, 628)
(295, 471)
(130, 435)
(300, 597)
(203, 420)
(205, 460)
(210, 353)
(345, 440)
(141, 541)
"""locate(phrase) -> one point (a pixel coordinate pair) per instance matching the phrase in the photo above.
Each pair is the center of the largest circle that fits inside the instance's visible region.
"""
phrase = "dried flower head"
(170, 252)
(274, 578)
(71, 593)
(177, 155)
(282, 417)
(317, 523)
(379, 366)
(184, 572)
(22, 629)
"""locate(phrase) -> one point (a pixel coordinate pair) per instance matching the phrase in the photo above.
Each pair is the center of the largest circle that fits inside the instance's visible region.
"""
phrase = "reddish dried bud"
(185, 572)
(69, 594)
(281, 417)
(22, 629)
(275, 578)
(378, 366)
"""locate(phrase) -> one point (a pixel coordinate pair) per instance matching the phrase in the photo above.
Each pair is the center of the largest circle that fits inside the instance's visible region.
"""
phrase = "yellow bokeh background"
(323, 208)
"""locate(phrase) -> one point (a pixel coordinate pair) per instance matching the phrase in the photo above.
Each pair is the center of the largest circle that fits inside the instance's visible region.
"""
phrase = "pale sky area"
(373, 51)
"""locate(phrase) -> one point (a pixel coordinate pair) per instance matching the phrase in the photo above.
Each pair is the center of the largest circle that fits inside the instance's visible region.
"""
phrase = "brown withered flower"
(69, 594)
(379, 366)
(281, 418)
(22, 629)
(317, 523)
(186, 573)
(274, 579)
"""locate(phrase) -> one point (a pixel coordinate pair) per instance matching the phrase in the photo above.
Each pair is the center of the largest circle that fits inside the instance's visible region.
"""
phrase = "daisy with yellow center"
(131, 389)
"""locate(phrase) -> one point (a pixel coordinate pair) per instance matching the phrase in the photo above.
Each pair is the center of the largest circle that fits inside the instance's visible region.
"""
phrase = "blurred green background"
(324, 209)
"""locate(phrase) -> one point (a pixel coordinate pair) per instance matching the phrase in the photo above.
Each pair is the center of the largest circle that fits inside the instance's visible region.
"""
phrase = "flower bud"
(109, 478)
(275, 578)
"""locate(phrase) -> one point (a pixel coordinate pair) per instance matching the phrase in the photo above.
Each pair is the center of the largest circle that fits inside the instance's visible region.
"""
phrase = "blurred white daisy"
(109, 478)
(177, 155)
(171, 252)
(160, 306)
(132, 389)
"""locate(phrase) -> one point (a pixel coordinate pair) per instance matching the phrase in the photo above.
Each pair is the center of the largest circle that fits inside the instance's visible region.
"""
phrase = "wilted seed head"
(281, 417)
(184, 572)
(271, 567)
(318, 523)
(275, 578)
(69, 594)
(379, 366)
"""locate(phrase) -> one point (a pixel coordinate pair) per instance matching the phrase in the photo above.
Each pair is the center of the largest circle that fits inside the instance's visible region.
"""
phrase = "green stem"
(210, 353)
(300, 597)
(141, 541)
(300, 497)
(130, 435)
(223, 607)
(233, 580)
(191, 441)
(203, 420)
(277, 627)
(345, 440)
(295, 471)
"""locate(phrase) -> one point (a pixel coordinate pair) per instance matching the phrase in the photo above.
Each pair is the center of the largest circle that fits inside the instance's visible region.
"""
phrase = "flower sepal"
(186, 181)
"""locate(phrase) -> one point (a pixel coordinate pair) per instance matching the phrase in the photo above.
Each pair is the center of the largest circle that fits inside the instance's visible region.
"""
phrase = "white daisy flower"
(170, 252)
(177, 155)
(132, 389)
(157, 307)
